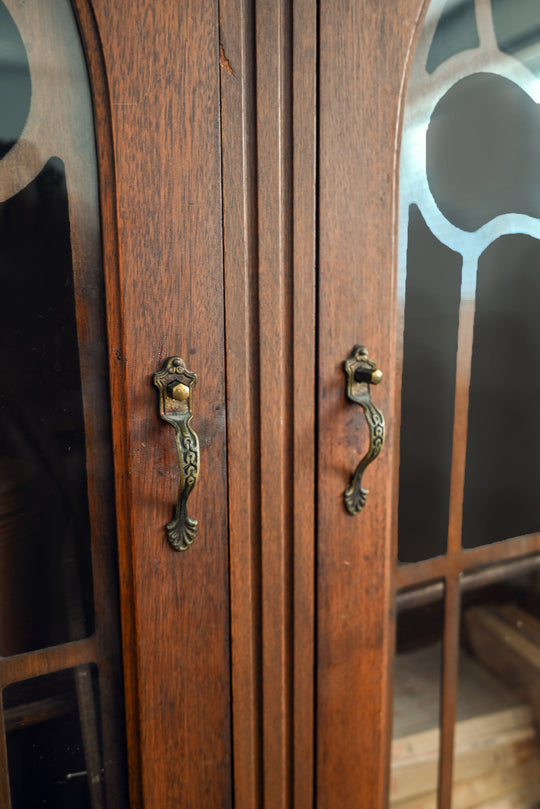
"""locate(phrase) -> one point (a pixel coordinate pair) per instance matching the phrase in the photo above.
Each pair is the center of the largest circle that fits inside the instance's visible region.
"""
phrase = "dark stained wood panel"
(304, 204)
(363, 56)
(117, 390)
(237, 40)
(162, 62)
(274, 167)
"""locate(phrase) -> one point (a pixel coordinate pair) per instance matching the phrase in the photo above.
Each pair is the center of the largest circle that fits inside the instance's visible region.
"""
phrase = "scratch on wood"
(224, 62)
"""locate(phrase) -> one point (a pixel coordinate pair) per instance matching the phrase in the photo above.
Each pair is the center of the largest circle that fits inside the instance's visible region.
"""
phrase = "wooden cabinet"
(248, 158)
(254, 179)
(255, 159)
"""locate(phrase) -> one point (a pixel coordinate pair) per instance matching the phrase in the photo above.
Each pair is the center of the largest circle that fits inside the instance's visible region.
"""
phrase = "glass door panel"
(55, 741)
(414, 768)
(502, 472)
(498, 756)
(61, 734)
(469, 481)
(427, 394)
(46, 592)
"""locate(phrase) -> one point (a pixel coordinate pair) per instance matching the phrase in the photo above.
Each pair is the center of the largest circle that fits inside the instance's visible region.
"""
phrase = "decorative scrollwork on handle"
(175, 384)
(361, 373)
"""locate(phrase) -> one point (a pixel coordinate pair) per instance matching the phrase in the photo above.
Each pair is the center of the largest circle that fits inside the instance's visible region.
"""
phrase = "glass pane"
(45, 571)
(502, 476)
(427, 398)
(417, 696)
(497, 750)
(469, 230)
(55, 745)
(45, 541)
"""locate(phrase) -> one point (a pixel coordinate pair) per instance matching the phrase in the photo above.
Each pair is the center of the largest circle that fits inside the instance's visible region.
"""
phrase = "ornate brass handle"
(361, 373)
(175, 383)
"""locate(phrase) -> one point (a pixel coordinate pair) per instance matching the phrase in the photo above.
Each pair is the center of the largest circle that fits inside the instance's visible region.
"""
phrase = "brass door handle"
(361, 373)
(175, 384)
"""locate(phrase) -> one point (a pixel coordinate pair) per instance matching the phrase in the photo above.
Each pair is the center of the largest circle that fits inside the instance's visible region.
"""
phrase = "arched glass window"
(468, 600)
(470, 224)
(59, 640)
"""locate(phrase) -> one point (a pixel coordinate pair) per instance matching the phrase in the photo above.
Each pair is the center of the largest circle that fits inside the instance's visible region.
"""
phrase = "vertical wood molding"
(268, 124)
(274, 181)
(304, 101)
(67, 66)
(237, 59)
(117, 377)
(418, 11)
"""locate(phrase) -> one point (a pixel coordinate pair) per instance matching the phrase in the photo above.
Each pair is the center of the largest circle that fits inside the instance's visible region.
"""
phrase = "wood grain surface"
(364, 49)
(162, 63)
(268, 58)
(273, 35)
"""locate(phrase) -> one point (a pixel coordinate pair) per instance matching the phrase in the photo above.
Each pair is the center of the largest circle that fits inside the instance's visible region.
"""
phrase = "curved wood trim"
(57, 127)
(238, 132)
(118, 382)
(269, 255)
(422, 8)
(275, 306)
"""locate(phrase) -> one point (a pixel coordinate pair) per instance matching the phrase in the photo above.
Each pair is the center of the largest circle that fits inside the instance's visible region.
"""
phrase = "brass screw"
(179, 392)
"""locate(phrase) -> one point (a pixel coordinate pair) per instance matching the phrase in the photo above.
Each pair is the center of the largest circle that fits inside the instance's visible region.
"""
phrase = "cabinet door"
(310, 656)
(437, 276)
(364, 49)
(157, 67)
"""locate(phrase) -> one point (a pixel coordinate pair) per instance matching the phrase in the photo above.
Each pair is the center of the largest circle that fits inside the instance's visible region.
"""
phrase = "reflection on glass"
(54, 741)
(483, 151)
(65, 745)
(517, 28)
(455, 32)
(45, 573)
(15, 84)
(470, 174)
(502, 479)
(427, 398)
(497, 750)
(417, 696)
